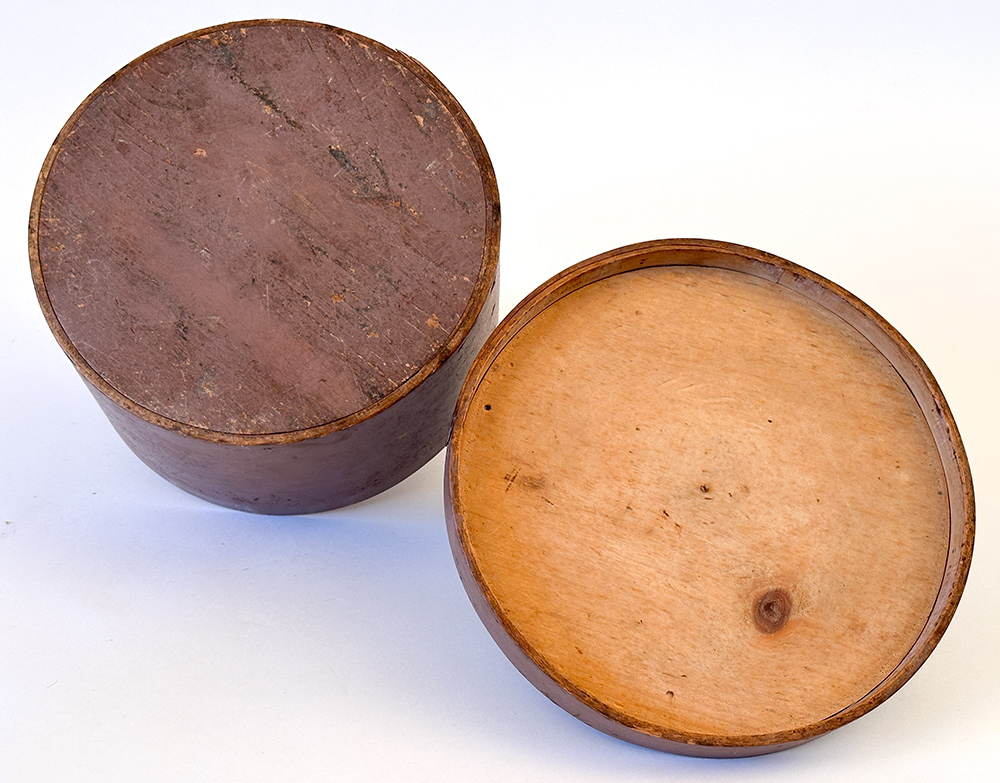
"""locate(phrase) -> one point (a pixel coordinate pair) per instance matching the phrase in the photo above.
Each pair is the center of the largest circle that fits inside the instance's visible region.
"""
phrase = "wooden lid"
(264, 231)
(706, 500)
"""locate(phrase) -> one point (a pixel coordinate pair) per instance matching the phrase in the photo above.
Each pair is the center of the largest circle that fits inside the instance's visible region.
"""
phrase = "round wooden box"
(706, 500)
(270, 250)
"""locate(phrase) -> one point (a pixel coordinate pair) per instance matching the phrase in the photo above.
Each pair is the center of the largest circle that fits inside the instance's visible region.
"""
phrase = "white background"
(147, 635)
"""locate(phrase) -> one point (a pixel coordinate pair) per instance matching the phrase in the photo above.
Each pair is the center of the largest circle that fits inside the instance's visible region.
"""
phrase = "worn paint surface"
(270, 249)
(262, 229)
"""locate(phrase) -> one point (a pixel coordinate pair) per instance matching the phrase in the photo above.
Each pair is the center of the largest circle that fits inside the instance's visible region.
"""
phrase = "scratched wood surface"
(264, 232)
(696, 502)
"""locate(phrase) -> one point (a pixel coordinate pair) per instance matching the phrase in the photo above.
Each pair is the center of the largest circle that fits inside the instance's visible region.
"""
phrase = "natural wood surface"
(264, 233)
(700, 506)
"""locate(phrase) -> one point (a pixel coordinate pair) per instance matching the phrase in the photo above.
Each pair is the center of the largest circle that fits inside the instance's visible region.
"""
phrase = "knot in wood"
(772, 610)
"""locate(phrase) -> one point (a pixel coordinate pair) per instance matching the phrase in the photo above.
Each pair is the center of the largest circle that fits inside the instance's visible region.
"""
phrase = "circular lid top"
(706, 499)
(263, 228)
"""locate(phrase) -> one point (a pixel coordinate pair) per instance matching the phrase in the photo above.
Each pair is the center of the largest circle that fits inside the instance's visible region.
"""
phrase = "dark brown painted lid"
(264, 227)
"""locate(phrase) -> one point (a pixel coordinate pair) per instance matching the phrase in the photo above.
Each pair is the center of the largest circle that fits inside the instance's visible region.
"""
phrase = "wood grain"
(262, 233)
(700, 503)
